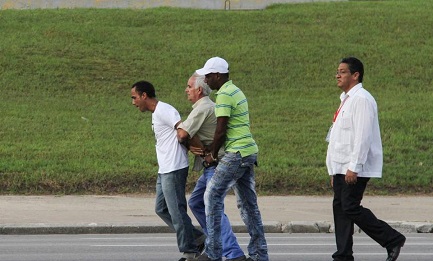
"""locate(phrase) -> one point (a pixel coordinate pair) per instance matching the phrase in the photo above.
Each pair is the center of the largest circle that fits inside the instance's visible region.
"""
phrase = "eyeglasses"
(339, 73)
(342, 72)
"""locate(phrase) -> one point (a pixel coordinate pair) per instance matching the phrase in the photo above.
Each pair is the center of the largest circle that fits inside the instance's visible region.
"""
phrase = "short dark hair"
(144, 87)
(355, 65)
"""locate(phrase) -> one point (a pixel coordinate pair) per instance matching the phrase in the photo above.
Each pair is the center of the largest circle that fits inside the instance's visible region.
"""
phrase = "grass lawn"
(67, 124)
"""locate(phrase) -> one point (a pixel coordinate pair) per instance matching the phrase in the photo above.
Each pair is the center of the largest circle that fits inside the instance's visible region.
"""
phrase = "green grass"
(67, 124)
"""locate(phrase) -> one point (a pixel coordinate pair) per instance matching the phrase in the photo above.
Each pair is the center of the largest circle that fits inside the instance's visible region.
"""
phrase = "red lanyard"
(338, 111)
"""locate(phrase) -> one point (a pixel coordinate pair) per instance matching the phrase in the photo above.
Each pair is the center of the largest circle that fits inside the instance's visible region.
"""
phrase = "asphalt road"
(162, 247)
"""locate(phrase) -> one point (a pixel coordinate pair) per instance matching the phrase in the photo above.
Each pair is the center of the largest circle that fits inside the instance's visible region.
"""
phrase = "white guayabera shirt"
(354, 140)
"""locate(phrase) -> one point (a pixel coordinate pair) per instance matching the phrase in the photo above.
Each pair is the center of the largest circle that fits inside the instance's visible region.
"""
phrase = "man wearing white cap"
(197, 131)
(236, 168)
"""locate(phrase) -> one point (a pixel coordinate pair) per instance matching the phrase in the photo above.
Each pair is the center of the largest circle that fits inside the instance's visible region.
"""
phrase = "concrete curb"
(139, 4)
(118, 228)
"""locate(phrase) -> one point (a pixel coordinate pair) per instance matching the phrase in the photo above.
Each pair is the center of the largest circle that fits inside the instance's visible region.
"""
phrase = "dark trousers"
(348, 211)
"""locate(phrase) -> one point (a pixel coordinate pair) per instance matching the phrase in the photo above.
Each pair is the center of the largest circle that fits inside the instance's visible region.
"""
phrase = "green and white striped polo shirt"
(231, 102)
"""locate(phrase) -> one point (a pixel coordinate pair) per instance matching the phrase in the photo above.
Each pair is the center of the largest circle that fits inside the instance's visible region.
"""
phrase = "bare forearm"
(217, 143)
(220, 135)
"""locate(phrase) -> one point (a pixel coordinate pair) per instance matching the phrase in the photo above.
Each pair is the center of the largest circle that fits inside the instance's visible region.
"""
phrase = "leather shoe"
(241, 258)
(394, 252)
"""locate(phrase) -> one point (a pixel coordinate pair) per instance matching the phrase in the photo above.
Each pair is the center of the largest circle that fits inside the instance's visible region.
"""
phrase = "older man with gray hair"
(198, 131)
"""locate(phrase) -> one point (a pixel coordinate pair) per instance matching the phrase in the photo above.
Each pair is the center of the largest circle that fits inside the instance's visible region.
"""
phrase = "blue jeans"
(171, 207)
(231, 248)
(237, 172)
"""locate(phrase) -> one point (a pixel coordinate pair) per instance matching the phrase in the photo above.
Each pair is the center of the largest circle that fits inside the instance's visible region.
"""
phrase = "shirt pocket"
(341, 152)
(342, 145)
(345, 129)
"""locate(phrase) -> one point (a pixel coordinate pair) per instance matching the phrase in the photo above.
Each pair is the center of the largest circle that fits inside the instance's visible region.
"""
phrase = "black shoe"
(241, 258)
(394, 252)
(201, 244)
(195, 257)
(201, 248)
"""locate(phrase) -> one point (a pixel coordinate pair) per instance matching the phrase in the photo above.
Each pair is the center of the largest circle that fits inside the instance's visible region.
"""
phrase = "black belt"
(208, 165)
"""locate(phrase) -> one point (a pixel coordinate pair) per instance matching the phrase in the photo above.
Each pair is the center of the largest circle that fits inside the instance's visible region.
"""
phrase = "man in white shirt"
(170, 203)
(354, 156)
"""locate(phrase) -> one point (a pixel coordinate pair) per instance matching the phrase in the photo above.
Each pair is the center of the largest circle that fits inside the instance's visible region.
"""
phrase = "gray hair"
(199, 82)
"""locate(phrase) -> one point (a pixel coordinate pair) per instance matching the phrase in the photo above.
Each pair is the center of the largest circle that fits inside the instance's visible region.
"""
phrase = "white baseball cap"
(214, 65)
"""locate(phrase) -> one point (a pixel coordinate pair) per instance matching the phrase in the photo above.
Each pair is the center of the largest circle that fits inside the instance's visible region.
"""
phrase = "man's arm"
(363, 118)
(218, 139)
(182, 135)
(194, 144)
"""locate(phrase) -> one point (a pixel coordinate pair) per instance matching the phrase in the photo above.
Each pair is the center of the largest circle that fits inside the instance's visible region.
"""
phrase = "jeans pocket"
(229, 165)
(249, 161)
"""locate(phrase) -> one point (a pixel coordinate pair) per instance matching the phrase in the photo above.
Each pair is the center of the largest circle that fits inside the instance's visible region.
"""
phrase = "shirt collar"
(201, 100)
(351, 92)
(224, 86)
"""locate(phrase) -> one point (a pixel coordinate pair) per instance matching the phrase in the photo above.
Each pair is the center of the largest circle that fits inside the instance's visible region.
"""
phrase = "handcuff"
(209, 164)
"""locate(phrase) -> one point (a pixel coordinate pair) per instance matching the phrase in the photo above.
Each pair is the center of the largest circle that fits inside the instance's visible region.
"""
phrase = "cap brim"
(202, 71)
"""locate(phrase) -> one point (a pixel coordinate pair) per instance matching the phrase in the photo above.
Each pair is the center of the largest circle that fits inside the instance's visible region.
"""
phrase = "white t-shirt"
(170, 153)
